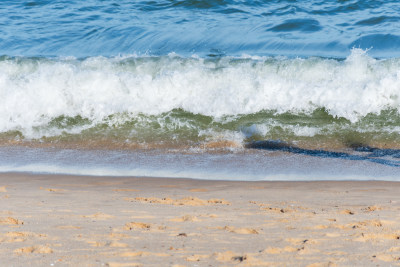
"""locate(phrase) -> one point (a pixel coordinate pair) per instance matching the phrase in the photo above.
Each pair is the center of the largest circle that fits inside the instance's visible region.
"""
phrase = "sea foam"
(34, 91)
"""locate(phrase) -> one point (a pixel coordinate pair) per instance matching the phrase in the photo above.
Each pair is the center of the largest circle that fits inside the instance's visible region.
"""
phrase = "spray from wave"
(174, 100)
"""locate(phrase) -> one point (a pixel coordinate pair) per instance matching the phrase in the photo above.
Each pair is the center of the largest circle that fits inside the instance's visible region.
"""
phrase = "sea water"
(247, 90)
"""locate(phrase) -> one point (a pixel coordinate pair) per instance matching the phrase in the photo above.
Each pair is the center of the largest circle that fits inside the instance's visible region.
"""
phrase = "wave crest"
(35, 91)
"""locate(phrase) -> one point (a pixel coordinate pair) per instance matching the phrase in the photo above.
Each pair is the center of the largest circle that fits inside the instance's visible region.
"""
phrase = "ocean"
(222, 89)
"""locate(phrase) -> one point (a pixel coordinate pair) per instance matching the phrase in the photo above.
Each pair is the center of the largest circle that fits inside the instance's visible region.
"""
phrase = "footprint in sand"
(387, 258)
(118, 236)
(229, 256)
(348, 212)
(34, 249)
(364, 237)
(274, 250)
(12, 237)
(277, 210)
(350, 226)
(320, 227)
(196, 257)
(187, 201)
(236, 258)
(115, 244)
(332, 235)
(137, 226)
(99, 216)
(301, 241)
(11, 221)
(372, 208)
(288, 249)
(394, 249)
(186, 218)
(243, 231)
(143, 226)
(285, 209)
(366, 223)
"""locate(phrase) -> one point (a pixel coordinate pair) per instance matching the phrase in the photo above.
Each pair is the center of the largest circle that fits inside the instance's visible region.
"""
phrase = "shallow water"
(260, 163)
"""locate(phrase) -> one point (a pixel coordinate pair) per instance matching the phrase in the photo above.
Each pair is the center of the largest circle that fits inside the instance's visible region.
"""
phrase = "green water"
(180, 128)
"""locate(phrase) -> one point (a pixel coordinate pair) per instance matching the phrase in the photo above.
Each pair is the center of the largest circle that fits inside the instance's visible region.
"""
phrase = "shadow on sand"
(371, 154)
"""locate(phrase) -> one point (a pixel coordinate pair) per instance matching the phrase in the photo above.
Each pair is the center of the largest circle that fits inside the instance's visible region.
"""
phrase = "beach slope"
(55, 220)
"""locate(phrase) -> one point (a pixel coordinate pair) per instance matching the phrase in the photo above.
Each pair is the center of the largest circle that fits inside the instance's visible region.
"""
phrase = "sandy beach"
(55, 220)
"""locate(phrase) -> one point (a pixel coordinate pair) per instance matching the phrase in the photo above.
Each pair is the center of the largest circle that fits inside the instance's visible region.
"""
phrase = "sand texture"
(54, 220)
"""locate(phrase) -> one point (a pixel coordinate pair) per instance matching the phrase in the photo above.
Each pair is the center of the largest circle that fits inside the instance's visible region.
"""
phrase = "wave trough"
(276, 27)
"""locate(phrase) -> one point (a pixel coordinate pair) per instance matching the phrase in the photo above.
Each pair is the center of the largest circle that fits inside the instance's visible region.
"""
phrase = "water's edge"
(268, 164)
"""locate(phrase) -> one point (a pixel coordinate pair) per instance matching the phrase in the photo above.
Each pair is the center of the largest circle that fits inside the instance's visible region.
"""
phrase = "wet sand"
(55, 220)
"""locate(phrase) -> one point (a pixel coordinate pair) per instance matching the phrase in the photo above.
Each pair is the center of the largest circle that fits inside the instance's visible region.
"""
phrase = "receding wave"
(208, 102)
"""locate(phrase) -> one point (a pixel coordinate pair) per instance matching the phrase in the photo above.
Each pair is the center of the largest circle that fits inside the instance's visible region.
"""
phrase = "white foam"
(34, 91)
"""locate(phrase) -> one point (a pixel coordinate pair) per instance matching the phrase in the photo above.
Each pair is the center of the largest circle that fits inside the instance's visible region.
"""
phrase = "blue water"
(201, 27)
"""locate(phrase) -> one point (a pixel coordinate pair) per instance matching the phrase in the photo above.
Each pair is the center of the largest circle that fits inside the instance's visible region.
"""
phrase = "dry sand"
(54, 220)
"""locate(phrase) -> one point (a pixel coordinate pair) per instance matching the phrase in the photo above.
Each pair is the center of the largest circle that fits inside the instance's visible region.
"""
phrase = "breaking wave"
(192, 99)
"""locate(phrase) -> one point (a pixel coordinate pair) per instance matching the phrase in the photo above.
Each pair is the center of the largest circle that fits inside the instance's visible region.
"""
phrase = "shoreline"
(61, 220)
(152, 179)
(251, 165)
